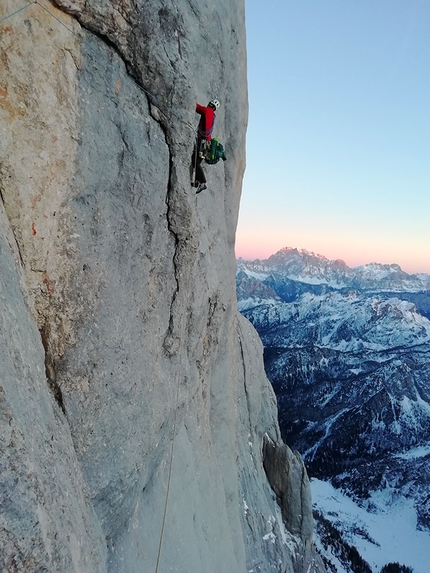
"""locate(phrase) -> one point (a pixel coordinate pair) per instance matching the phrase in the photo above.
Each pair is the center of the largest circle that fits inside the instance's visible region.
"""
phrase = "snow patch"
(255, 275)
(310, 453)
(386, 533)
(254, 302)
(414, 453)
(270, 536)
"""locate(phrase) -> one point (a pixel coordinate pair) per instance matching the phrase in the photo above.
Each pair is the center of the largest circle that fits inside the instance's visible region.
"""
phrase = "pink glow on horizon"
(352, 256)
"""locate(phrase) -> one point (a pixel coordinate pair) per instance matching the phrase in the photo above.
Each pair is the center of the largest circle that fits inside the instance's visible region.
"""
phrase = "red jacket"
(206, 123)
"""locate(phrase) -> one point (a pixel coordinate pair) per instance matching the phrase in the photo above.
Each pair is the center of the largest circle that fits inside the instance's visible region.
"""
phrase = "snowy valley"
(348, 354)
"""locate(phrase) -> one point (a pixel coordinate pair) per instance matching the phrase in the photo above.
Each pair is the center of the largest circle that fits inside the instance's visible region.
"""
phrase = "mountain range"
(348, 353)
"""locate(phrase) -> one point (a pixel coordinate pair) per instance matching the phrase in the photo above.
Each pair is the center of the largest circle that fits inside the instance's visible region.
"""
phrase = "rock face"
(133, 400)
(350, 368)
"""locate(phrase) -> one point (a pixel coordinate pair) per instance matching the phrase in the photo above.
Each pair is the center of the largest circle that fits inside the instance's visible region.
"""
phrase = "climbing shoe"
(201, 188)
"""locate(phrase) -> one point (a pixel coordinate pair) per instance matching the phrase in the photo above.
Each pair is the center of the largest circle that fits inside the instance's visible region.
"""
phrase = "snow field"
(385, 532)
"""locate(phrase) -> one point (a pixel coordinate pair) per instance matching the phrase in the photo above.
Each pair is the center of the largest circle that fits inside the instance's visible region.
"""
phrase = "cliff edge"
(138, 430)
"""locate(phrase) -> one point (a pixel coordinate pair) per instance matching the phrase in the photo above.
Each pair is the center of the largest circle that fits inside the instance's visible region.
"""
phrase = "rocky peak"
(350, 368)
(307, 267)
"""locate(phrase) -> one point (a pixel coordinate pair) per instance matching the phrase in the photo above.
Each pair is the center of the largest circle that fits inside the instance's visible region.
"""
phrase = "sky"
(338, 140)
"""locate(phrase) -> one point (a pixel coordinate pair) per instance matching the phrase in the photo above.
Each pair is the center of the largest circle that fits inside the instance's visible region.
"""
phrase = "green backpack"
(214, 152)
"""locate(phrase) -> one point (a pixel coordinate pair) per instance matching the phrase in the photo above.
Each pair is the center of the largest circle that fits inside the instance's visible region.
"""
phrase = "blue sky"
(338, 142)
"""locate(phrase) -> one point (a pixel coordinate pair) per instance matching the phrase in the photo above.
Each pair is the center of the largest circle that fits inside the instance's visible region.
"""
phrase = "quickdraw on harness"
(205, 134)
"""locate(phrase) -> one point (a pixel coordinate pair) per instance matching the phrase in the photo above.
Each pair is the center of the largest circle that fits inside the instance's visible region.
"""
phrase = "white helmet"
(214, 103)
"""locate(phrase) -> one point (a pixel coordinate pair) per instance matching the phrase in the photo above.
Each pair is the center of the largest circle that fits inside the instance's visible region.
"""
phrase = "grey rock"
(138, 362)
(287, 476)
(47, 522)
(350, 369)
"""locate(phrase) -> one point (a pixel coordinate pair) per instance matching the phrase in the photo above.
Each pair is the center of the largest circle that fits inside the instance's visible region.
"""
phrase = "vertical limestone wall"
(134, 405)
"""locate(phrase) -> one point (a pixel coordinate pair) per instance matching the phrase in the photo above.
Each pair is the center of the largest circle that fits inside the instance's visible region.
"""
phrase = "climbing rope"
(163, 524)
(151, 97)
(55, 18)
(16, 11)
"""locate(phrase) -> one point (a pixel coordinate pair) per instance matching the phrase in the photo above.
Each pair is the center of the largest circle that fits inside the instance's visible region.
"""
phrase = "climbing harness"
(200, 150)
(199, 143)
(153, 101)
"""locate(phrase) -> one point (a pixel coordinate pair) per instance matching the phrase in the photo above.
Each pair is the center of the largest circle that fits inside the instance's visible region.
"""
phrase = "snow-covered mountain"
(309, 268)
(348, 353)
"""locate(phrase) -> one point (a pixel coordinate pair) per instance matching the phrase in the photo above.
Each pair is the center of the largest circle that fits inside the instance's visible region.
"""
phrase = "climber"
(204, 134)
